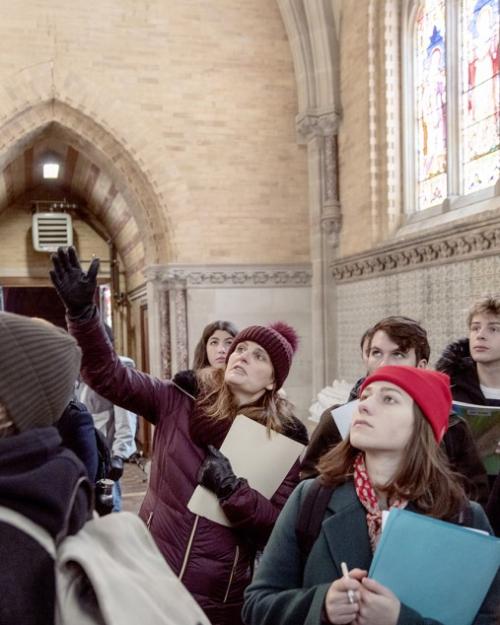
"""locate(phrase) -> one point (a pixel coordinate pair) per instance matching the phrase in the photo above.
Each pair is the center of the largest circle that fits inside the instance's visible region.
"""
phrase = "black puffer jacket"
(37, 478)
(456, 361)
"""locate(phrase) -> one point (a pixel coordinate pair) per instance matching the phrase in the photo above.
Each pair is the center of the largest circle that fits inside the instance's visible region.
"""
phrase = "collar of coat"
(345, 529)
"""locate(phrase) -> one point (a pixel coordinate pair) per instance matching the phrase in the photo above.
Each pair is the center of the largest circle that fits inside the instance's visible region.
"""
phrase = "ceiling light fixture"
(51, 171)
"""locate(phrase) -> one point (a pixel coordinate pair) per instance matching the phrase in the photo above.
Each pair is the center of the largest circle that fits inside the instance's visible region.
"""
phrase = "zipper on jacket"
(150, 518)
(233, 569)
(188, 548)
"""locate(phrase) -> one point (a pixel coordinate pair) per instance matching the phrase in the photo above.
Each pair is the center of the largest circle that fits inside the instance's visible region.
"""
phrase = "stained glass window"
(431, 114)
(454, 99)
(480, 105)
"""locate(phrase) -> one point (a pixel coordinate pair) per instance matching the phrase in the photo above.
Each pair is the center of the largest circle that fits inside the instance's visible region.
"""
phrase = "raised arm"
(102, 369)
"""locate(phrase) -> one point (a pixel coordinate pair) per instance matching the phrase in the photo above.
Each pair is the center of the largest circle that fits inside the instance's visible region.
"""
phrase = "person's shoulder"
(479, 518)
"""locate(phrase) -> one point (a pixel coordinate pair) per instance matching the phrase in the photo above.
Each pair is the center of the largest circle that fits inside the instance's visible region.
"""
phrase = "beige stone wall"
(210, 85)
(249, 306)
(354, 135)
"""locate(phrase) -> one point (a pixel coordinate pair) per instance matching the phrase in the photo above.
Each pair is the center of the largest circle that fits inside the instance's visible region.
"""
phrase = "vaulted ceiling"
(99, 199)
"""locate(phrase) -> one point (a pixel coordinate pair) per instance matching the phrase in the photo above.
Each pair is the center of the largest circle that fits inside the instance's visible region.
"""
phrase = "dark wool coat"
(37, 478)
(213, 561)
(285, 593)
(457, 443)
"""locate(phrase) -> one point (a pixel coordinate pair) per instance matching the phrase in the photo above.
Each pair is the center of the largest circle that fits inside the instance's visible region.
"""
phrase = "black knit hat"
(39, 364)
(278, 339)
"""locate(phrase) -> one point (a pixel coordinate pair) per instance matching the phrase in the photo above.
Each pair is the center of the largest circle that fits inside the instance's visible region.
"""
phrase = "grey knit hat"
(39, 364)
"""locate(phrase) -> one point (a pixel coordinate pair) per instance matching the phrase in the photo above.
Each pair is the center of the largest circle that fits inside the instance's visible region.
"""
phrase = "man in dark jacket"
(38, 477)
(399, 340)
(473, 365)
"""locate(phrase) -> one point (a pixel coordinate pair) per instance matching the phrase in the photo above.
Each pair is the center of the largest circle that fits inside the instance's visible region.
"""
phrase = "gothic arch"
(36, 98)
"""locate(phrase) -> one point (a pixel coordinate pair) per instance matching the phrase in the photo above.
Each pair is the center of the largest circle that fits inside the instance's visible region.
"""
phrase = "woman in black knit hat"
(212, 560)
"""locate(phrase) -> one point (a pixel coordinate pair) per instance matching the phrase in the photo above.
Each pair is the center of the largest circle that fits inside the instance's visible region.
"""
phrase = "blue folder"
(441, 570)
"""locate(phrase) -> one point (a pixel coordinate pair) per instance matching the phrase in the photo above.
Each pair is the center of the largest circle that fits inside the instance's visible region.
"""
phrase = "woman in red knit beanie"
(391, 459)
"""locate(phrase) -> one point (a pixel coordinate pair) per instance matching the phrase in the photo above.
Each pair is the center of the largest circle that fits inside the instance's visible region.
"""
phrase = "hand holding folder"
(263, 458)
(441, 570)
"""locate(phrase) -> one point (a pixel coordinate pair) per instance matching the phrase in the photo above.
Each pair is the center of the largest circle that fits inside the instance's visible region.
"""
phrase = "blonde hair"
(488, 304)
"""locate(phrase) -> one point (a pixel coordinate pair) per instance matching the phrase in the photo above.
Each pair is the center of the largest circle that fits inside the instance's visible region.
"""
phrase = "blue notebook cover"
(441, 570)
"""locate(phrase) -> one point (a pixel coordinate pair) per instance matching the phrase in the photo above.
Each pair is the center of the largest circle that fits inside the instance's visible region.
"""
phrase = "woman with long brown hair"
(211, 350)
(212, 560)
(391, 459)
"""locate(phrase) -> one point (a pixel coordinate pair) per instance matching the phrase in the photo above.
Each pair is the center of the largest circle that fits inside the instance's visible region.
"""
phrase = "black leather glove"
(75, 287)
(217, 475)
(115, 468)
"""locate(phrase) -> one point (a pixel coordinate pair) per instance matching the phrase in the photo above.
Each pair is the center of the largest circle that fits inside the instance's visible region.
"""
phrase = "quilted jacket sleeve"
(124, 386)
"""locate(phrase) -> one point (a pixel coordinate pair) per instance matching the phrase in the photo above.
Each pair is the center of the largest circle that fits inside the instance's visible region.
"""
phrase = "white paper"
(263, 458)
(343, 417)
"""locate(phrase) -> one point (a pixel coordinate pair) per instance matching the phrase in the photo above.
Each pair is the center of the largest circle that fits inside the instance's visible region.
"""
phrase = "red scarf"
(368, 498)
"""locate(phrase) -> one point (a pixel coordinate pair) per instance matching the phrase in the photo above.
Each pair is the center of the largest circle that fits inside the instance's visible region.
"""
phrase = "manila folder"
(262, 457)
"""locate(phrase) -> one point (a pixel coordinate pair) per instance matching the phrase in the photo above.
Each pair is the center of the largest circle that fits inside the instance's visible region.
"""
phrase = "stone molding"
(231, 276)
(316, 124)
(463, 243)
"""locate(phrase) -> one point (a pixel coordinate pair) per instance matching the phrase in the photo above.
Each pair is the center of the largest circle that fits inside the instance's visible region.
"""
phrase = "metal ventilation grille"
(51, 230)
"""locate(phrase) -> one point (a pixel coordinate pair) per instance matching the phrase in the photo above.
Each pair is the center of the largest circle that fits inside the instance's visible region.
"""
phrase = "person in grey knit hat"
(39, 364)
(38, 476)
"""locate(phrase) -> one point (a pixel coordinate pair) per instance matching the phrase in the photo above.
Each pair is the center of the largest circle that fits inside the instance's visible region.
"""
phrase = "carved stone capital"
(316, 124)
(462, 243)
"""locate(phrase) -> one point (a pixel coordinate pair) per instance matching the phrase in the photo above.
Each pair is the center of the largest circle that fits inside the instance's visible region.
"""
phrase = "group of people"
(405, 449)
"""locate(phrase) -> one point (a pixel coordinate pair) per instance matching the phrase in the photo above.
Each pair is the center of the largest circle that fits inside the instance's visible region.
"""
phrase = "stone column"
(177, 298)
(167, 315)
(319, 132)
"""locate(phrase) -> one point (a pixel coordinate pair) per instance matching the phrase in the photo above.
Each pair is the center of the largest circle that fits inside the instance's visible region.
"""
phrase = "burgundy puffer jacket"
(214, 562)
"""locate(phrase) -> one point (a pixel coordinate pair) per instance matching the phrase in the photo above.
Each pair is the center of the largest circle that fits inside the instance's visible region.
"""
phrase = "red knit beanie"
(278, 339)
(429, 389)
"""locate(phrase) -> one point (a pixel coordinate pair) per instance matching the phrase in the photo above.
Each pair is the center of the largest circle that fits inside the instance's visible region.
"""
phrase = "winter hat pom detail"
(287, 332)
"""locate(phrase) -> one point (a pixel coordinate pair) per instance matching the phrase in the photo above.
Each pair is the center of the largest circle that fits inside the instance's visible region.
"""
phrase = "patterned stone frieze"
(462, 244)
(231, 276)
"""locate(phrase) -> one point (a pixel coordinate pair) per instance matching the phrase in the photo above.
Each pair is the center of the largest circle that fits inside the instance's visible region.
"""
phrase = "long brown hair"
(216, 400)
(200, 358)
(423, 476)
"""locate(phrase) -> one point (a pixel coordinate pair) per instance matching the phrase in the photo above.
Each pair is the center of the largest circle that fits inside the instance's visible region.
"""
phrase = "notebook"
(441, 570)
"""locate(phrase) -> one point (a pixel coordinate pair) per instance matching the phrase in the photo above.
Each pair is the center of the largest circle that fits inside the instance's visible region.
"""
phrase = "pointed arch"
(38, 98)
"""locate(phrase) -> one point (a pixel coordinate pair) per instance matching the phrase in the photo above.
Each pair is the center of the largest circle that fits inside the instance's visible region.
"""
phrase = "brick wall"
(203, 96)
